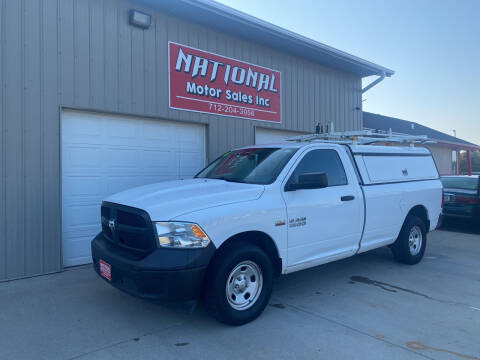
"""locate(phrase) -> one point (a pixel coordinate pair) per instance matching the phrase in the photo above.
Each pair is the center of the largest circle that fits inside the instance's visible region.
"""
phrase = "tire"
(412, 241)
(238, 284)
(476, 221)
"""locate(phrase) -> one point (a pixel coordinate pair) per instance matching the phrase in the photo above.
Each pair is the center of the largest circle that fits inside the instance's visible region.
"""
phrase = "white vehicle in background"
(261, 211)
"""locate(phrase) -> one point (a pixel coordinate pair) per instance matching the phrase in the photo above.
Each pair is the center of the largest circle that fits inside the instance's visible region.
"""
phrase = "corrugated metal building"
(85, 112)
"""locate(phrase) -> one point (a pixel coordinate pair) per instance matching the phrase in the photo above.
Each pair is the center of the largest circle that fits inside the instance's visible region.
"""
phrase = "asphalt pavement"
(365, 307)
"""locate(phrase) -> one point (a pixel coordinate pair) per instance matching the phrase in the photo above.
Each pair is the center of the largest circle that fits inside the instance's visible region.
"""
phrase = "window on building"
(454, 162)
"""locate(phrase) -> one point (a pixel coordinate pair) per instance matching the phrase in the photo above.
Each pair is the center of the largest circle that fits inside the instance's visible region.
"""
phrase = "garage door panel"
(132, 141)
(125, 158)
(116, 184)
(157, 134)
(160, 163)
(157, 159)
(152, 179)
(189, 140)
(78, 187)
(78, 251)
(81, 216)
(190, 147)
(105, 154)
(188, 163)
(80, 224)
(124, 126)
(83, 131)
(160, 174)
(76, 234)
(75, 157)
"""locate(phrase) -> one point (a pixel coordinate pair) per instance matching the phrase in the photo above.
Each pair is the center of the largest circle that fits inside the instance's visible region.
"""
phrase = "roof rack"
(360, 137)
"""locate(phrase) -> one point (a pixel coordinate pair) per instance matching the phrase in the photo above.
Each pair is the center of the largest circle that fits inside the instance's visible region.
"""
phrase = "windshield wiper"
(227, 179)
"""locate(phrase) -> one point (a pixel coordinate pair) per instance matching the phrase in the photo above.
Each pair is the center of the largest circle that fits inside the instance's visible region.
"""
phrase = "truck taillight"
(467, 200)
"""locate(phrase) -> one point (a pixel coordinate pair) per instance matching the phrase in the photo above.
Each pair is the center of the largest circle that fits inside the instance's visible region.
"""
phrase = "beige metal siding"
(443, 158)
(83, 54)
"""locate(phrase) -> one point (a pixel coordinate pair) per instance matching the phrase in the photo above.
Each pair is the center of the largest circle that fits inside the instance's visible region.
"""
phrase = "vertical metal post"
(458, 163)
(469, 162)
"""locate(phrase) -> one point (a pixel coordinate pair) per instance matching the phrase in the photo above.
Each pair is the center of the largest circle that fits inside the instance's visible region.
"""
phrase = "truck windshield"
(252, 165)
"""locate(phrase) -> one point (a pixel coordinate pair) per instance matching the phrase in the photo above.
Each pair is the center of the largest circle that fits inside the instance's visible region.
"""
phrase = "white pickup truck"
(260, 211)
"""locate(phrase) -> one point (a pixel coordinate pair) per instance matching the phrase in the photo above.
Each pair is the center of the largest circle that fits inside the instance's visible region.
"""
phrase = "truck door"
(326, 223)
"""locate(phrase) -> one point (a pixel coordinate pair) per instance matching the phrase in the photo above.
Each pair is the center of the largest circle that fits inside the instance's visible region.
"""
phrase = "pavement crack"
(136, 339)
(393, 288)
(419, 346)
(375, 337)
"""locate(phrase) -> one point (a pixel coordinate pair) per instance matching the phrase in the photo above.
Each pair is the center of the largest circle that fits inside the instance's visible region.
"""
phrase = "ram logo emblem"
(111, 224)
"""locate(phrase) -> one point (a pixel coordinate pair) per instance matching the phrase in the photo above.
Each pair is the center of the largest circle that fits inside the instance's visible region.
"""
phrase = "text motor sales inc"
(205, 82)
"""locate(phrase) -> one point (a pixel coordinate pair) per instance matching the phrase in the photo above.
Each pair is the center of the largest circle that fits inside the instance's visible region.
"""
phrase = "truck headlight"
(181, 235)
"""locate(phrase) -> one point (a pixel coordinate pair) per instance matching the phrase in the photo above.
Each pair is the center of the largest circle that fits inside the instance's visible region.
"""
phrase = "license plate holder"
(105, 270)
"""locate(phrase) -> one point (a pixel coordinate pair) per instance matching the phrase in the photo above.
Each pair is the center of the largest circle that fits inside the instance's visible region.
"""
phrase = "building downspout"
(375, 82)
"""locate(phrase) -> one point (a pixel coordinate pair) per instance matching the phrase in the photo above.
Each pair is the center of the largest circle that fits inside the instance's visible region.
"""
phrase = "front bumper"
(163, 275)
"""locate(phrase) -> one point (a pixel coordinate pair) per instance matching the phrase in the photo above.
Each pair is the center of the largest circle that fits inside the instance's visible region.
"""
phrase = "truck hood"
(166, 200)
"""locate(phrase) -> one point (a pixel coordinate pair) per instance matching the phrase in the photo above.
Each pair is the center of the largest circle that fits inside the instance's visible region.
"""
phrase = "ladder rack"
(361, 137)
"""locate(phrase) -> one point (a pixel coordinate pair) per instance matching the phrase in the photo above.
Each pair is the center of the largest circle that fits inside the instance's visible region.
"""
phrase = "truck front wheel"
(410, 244)
(238, 283)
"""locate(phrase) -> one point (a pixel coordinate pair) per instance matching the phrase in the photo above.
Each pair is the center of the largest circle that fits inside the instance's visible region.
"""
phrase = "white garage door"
(268, 136)
(104, 154)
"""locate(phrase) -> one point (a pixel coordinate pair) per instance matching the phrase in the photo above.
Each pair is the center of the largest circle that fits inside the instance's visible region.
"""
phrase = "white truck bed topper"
(407, 163)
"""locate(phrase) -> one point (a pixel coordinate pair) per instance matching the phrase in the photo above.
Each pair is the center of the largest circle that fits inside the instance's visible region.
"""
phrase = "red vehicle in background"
(462, 197)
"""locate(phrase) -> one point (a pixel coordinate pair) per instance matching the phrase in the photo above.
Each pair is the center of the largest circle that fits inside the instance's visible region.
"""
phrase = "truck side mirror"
(308, 181)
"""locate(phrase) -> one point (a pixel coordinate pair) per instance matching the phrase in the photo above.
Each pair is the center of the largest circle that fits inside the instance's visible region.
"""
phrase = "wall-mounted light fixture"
(140, 19)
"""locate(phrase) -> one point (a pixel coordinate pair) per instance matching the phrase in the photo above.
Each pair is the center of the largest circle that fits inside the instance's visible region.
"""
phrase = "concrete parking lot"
(365, 307)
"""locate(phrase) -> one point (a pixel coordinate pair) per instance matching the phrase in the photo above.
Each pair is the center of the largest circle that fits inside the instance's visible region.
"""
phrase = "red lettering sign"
(205, 82)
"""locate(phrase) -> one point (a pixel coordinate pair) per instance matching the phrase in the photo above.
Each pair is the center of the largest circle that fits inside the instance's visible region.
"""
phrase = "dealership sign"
(205, 82)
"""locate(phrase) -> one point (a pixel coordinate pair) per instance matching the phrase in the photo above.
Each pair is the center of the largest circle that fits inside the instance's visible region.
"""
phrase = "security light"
(139, 19)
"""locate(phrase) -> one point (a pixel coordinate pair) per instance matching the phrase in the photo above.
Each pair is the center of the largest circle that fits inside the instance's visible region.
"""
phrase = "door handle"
(347, 198)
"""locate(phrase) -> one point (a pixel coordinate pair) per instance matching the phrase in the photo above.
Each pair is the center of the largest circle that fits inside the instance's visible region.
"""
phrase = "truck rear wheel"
(412, 241)
(238, 284)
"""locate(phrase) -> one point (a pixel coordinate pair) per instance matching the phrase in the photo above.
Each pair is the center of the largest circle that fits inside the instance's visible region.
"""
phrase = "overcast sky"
(433, 46)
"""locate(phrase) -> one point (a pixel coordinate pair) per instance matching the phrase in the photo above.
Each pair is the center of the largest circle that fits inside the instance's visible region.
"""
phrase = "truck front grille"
(128, 227)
